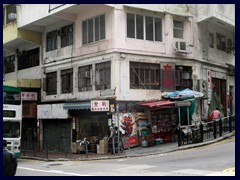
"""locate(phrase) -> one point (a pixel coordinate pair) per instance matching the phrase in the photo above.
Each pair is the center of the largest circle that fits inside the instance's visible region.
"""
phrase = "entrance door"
(57, 134)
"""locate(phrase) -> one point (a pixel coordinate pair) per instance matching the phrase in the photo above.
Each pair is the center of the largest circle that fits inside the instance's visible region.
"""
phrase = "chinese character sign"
(168, 77)
(29, 96)
(99, 105)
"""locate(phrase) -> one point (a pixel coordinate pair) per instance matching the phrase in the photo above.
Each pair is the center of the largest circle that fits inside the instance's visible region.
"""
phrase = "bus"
(12, 118)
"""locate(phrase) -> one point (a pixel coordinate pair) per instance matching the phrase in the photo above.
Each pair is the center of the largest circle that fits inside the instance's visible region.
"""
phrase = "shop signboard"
(183, 103)
(100, 105)
(168, 77)
(29, 96)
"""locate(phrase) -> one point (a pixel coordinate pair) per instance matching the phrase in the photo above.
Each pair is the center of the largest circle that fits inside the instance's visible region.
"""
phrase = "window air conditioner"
(181, 46)
(12, 16)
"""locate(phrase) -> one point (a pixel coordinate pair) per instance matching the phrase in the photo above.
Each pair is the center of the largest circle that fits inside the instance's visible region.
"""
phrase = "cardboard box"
(102, 147)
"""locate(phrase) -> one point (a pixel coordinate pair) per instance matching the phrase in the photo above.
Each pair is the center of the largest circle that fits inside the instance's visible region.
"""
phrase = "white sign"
(183, 103)
(100, 105)
(29, 96)
(209, 85)
(51, 111)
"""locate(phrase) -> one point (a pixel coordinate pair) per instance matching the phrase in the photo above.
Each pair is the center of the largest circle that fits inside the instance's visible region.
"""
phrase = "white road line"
(54, 171)
(199, 172)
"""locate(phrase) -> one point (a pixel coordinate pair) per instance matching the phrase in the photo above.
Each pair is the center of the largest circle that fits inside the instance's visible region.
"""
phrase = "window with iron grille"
(9, 64)
(67, 81)
(11, 10)
(178, 28)
(51, 83)
(51, 40)
(221, 42)
(66, 36)
(103, 76)
(85, 78)
(27, 59)
(144, 27)
(144, 75)
(93, 29)
(183, 76)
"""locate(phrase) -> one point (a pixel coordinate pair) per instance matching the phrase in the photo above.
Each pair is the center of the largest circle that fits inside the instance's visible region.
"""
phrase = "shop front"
(90, 122)
(54, 128)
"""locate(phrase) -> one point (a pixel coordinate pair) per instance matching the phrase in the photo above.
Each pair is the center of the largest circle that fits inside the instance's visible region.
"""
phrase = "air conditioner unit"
(12, 16)
(181, 46)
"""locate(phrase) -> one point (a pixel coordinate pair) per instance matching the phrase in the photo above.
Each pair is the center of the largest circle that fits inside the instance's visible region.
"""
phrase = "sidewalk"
(133, 152)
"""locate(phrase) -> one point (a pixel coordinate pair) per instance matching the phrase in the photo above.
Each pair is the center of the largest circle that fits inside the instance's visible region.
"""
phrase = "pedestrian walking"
(215, 114)
(9, 161)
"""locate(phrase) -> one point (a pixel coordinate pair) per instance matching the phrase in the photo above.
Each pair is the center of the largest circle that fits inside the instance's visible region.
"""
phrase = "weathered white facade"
(199, 20)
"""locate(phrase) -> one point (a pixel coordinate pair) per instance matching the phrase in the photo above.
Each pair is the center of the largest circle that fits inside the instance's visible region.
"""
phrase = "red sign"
(168, 78)
(100, 105)
(133, 141)
(29, 96)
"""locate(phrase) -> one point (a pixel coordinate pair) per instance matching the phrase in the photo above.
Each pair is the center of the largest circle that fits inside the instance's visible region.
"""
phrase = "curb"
(191, 146)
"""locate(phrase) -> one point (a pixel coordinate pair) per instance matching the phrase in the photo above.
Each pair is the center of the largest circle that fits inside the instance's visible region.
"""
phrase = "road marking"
(54, 171)
(199, 172)
(230, 170)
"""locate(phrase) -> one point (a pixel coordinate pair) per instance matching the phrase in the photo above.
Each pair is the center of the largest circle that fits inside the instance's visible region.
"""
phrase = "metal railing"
(205, 131)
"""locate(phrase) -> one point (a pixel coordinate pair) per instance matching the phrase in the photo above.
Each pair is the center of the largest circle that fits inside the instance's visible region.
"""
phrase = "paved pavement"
(132, 152)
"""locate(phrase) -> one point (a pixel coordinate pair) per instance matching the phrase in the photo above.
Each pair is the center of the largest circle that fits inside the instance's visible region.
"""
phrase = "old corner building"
(79, 65)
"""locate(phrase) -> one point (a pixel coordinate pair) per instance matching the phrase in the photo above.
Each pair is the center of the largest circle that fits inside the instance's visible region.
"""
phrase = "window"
(85, 78)
(137, 23)
(11, 12)
(9, 64)
(51, 83)
(66, 36)
(103, 76)
(183, 77)
(178, 28)
(93, 29)
(27, 59)
(144, 76)
(211, 40)
(52, 40)
(67, 81)
(221, 42)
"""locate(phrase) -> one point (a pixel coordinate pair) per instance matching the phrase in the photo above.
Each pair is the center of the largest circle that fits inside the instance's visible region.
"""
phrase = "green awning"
(77, 105)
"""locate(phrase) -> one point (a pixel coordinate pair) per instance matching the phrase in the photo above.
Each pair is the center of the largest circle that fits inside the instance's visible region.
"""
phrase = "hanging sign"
(100, 105)
(168, 77)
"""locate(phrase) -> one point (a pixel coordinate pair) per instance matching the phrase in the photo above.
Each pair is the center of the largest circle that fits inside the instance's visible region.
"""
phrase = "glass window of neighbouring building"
(9, 64)
(144, 27)
(93, 29)
(67, 81)
(221, 42)
(28, 59)
(51, 83)
(85, 78)
(183, 76)
(103, 76)
(144, 75)
(67, 36)
(51, 40)
(178, 28)
(211, 40)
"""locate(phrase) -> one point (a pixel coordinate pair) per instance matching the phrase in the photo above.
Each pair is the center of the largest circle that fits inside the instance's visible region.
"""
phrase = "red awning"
(157, 104)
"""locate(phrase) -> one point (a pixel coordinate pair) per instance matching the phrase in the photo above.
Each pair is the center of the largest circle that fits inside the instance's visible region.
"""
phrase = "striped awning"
(77, 105)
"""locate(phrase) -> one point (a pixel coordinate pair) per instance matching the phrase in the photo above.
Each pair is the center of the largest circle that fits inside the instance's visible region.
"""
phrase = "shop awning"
(77, 105)
(158, 104)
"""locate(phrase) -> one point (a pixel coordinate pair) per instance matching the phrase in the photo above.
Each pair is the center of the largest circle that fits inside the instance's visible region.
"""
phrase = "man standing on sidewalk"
(9, 161)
